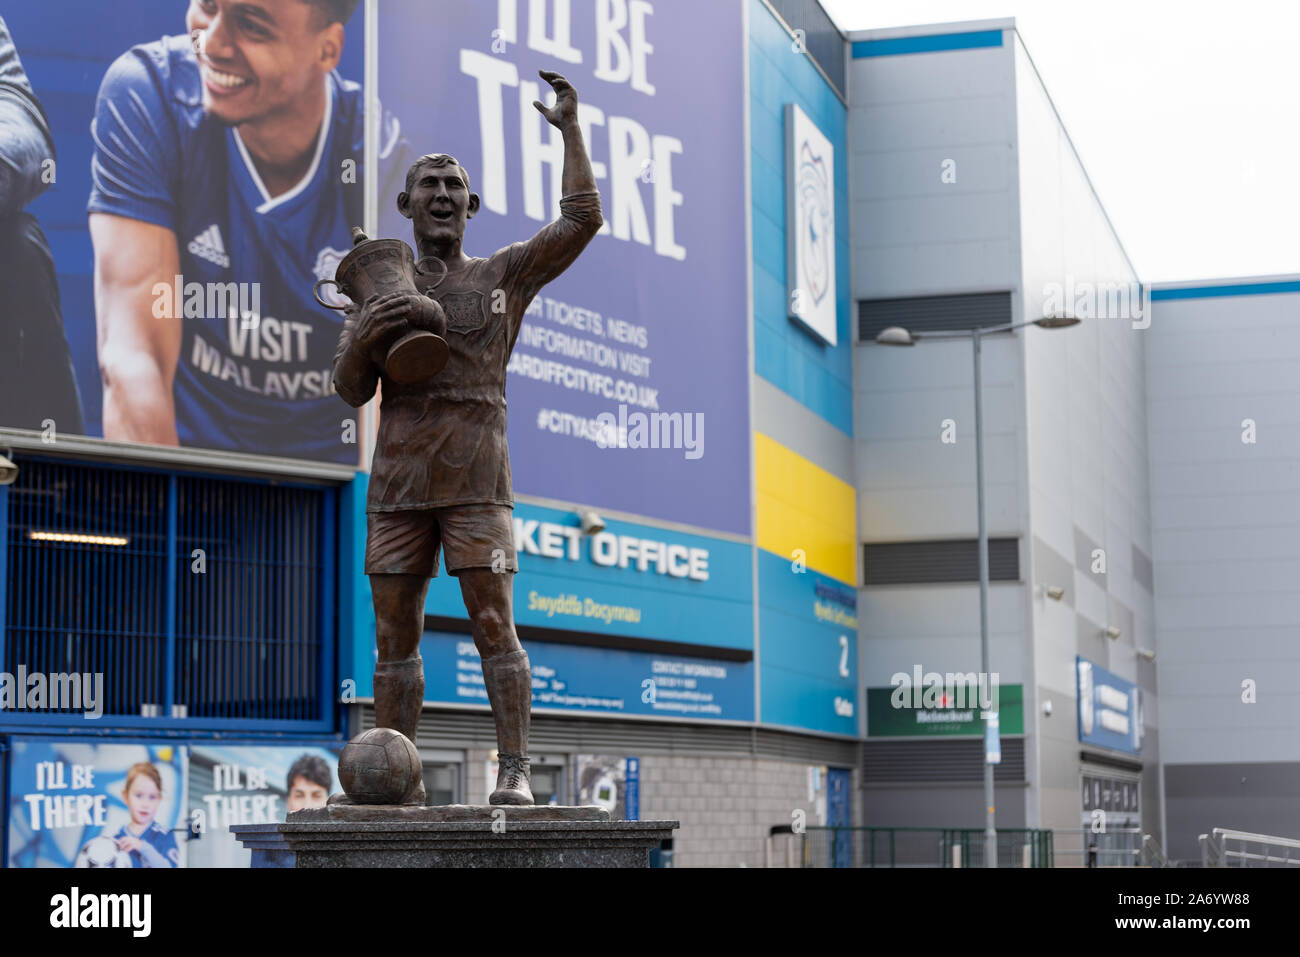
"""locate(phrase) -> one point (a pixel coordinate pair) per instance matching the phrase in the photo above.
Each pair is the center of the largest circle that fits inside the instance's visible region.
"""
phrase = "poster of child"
(142, 838)
(88, 804)
(236, 784)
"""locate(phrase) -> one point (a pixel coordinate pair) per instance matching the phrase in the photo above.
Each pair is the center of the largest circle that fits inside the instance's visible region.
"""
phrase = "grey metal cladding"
(1051, 568)
(1090, 641)
(800, 429)
(823, 42)
(1143, 571)
(1121, 616)
(1084, 546)
(918, 563)
(933, 313)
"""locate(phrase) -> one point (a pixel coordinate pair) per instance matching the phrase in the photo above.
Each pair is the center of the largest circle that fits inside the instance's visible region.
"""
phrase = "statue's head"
(437, 198)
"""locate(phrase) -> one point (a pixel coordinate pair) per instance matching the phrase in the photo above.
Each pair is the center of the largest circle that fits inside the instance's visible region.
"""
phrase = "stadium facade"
(717, 621)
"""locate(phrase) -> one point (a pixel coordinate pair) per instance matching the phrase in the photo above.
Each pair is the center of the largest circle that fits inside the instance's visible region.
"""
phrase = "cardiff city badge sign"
(810, 225)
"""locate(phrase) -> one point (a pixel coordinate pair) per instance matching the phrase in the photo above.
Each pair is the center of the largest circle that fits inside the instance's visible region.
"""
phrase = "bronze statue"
(441, 471)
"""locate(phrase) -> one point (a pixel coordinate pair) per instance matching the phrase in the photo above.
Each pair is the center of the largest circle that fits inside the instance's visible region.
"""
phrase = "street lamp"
(898, 336)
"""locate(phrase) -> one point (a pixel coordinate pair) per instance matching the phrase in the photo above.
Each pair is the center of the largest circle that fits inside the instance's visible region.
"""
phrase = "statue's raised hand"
(566, 100)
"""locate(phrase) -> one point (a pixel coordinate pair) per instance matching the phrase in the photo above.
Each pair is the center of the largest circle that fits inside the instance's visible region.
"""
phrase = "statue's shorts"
(472, 536)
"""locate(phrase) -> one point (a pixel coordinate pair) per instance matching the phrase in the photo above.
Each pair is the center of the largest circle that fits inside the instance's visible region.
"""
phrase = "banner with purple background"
(652, 316)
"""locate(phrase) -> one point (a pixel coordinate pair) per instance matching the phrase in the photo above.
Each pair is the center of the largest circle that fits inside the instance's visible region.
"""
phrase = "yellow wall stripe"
(802, 506)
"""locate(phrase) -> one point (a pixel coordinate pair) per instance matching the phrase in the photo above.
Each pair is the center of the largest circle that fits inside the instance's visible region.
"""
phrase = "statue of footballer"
(441, 472)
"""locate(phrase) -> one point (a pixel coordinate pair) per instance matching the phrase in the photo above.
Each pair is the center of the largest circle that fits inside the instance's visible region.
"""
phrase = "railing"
(1217, 849)
(921, 847)
(1153, 855)
(1113, 847)
(783, 848)
(1017, 847)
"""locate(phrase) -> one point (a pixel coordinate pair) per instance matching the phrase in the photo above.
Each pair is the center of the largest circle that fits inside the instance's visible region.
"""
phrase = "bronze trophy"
(376, 267)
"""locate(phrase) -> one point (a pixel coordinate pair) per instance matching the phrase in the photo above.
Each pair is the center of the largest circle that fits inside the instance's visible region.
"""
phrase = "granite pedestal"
(454, 835)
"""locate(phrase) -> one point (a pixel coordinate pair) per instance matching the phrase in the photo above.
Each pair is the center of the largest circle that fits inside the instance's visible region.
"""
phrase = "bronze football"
(379, 766)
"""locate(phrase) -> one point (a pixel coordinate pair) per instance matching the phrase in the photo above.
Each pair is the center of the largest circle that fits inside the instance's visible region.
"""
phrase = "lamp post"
(897, 336)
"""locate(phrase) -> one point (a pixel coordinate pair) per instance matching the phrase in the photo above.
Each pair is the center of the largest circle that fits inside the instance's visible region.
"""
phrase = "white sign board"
(810, 225)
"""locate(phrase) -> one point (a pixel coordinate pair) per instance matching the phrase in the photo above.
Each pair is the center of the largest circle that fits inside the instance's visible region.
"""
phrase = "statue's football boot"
(514, 780)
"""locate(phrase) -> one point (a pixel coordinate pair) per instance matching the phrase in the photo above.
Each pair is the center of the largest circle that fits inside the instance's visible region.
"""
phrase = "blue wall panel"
(1227, 289)
(927, 44)
(785, 354)
(806, 669)
(605, 681)
(574, 595)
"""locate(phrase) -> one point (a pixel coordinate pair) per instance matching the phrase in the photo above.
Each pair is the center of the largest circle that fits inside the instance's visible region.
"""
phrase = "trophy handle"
(419, 268)
(315, 291)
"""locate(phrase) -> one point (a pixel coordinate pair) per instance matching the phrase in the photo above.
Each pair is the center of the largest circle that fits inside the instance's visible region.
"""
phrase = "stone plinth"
(454, 835)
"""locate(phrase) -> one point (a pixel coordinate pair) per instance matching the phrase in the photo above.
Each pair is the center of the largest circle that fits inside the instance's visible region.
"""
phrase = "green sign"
(948, 710)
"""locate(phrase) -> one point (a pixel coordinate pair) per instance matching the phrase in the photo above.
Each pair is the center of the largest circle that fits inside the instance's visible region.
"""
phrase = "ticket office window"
(549, 779)
(444, 778)
(441, 784)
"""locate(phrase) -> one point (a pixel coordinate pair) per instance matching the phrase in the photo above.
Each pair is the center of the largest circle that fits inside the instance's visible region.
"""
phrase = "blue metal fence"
(204, 601)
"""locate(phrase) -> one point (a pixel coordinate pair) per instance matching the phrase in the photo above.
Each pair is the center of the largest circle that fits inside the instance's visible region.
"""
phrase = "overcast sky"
(1184, 113)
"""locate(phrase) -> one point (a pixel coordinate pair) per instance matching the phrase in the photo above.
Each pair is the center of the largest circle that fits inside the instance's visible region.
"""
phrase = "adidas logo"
(207, 245)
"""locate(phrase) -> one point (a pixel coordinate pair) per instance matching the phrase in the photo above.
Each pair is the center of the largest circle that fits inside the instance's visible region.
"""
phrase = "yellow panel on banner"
(804, 507)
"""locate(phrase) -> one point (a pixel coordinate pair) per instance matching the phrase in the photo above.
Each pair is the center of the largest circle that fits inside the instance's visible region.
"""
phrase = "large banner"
(603, 681)
(629, 580)
(249, 784)
(90, 804)
(78, 804)
(627, 387)
(173, 179)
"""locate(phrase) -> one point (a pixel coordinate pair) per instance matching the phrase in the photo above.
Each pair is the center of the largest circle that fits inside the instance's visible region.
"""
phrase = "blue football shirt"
(254, 372)
(162, 841)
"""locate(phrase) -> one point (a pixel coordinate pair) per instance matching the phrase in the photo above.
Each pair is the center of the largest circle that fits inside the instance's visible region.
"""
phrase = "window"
(441, 784)
(547, 782)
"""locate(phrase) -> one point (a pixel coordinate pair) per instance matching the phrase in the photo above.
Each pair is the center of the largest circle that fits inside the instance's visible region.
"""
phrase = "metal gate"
(202, 601)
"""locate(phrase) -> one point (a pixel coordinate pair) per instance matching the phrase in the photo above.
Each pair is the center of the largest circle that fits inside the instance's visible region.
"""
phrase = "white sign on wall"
(810, 225)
